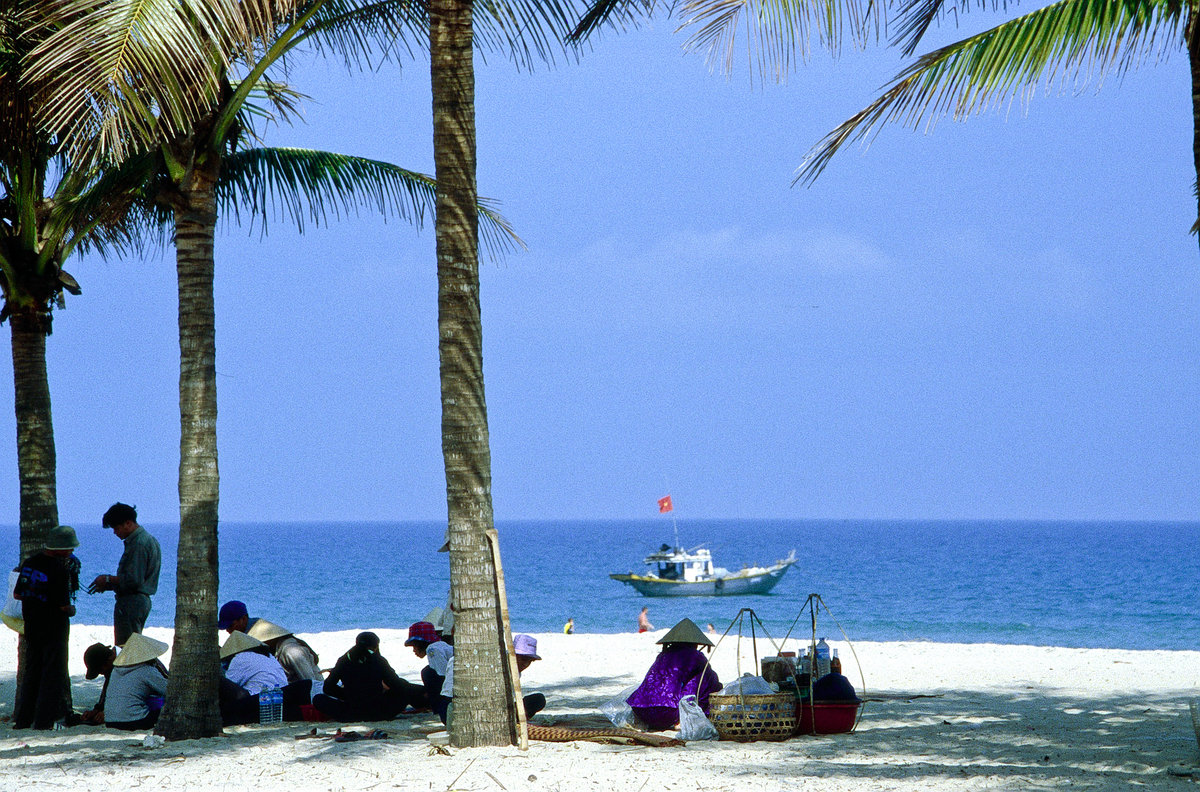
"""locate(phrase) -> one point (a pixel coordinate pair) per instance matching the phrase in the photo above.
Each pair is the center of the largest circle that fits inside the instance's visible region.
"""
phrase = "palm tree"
(195, 167)
(50, 207)
(133, 58)
(482, 715)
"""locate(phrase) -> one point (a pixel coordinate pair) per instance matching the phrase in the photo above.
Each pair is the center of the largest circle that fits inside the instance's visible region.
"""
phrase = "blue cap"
(230, 612)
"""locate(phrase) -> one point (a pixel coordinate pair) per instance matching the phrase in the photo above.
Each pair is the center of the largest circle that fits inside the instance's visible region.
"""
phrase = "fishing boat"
(676, 572)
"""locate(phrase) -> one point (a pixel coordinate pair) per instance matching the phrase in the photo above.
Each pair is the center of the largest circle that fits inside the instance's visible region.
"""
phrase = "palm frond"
(525, 31)
(914, 18)
(269, 102)
(123, 74)
(618, 14)
(361, 30)
(109, 209)
(1070, 42)
(314, 186)
(777, 32)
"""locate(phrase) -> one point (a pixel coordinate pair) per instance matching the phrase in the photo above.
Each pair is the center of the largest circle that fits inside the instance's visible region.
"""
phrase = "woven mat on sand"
(609, 735)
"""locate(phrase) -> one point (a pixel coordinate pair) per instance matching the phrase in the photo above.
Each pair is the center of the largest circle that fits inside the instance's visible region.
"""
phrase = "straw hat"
(685, 632)
(14, 623)
(238, 642)
(434, 617)
(140, 649)
(61, 537)
(265, 631)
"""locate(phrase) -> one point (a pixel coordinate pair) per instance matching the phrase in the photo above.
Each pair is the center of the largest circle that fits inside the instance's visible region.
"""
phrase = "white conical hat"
(238, 642)
(140, 649)
(265, 631)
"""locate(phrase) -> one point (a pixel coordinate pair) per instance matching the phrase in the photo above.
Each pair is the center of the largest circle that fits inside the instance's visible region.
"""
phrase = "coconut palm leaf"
(361, 31)
(108, 211)
(619, 14)
(313, 186)
(1069, 43)
(777, 32)
(123, 70)
(914, 17)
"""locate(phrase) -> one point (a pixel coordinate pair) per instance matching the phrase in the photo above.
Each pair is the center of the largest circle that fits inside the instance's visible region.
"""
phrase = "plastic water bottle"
(276, 706)
(822, 658)
(270, 706)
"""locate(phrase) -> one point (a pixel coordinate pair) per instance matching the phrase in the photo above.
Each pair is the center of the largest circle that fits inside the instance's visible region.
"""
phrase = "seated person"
(98, 660)
(426, 643)
(297, 657)
(525, 650)
(363, 687)
(137, 685)
(233, 617)
(251, 664)
(680, 669)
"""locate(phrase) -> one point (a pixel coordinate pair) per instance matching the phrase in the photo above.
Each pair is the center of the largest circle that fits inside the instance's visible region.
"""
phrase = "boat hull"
(732, 585)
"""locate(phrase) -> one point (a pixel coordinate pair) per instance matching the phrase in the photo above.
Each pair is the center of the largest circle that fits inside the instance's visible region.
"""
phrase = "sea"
(1117, 585)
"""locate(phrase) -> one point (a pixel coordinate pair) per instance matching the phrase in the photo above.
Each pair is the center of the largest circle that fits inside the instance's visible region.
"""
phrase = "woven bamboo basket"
(751, 718)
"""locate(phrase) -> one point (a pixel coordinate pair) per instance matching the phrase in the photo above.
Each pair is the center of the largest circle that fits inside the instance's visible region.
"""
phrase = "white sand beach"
(938, 717)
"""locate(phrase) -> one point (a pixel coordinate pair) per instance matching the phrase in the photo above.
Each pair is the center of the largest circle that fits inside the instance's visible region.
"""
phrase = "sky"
(998, 319)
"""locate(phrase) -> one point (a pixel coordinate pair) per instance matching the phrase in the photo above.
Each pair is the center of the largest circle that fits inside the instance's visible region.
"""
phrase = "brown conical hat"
(140, 649)
(238, 642)
(685, 632)
(265, 631)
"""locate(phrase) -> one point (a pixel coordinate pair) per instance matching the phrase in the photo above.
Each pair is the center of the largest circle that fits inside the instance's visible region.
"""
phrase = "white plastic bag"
(618, 710)
(749, 685)
(12, 615)
(693, 723)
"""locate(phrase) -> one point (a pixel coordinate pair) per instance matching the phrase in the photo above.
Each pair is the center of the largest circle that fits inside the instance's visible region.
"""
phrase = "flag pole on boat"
(664, 506)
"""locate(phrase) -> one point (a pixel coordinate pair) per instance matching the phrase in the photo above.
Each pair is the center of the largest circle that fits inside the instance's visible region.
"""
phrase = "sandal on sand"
(352, 736)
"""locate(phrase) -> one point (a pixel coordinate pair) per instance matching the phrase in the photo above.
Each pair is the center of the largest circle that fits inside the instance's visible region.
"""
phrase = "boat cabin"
(675, 563)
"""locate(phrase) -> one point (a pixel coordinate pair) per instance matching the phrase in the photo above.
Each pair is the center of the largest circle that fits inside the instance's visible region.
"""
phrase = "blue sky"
(1000, 319)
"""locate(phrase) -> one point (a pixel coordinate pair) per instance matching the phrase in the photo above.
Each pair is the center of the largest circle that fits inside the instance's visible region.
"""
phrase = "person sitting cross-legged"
(363, 686)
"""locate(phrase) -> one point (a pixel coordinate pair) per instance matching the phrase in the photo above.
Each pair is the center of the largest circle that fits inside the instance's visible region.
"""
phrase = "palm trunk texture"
(191, 709)
(482, 713)
(36, 463)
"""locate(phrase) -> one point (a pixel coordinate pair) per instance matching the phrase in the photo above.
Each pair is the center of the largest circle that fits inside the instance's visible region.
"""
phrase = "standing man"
(46, 588)
(137, 572)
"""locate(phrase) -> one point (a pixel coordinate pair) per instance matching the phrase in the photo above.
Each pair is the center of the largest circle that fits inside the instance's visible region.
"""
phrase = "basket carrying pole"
(517, 704)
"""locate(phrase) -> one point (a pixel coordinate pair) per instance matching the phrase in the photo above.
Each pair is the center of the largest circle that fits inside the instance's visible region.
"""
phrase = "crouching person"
(136, 686)
(525, 651)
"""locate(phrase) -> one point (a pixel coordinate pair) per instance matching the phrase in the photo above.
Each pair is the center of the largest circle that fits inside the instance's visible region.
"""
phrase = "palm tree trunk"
(36, 462)
(1193, 47)
(482, 715)
(35, 429)
(191, 709)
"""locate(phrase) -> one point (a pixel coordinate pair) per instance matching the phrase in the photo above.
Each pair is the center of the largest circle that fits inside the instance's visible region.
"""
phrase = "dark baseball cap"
(94, 659)
(230, 612)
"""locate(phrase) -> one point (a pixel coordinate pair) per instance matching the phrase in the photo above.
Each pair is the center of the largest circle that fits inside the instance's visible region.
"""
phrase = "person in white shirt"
(251, 664)
(427, 644)
(525, 649)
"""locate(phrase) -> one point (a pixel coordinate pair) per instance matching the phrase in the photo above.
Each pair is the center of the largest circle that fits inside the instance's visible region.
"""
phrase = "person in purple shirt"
(680, 669)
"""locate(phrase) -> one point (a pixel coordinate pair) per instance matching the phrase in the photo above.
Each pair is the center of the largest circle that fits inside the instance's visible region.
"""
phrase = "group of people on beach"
(259, 657)
(45, 587)
(362, 685)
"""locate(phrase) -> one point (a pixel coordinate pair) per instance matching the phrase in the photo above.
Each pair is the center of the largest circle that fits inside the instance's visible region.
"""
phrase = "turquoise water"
(1084, 584)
